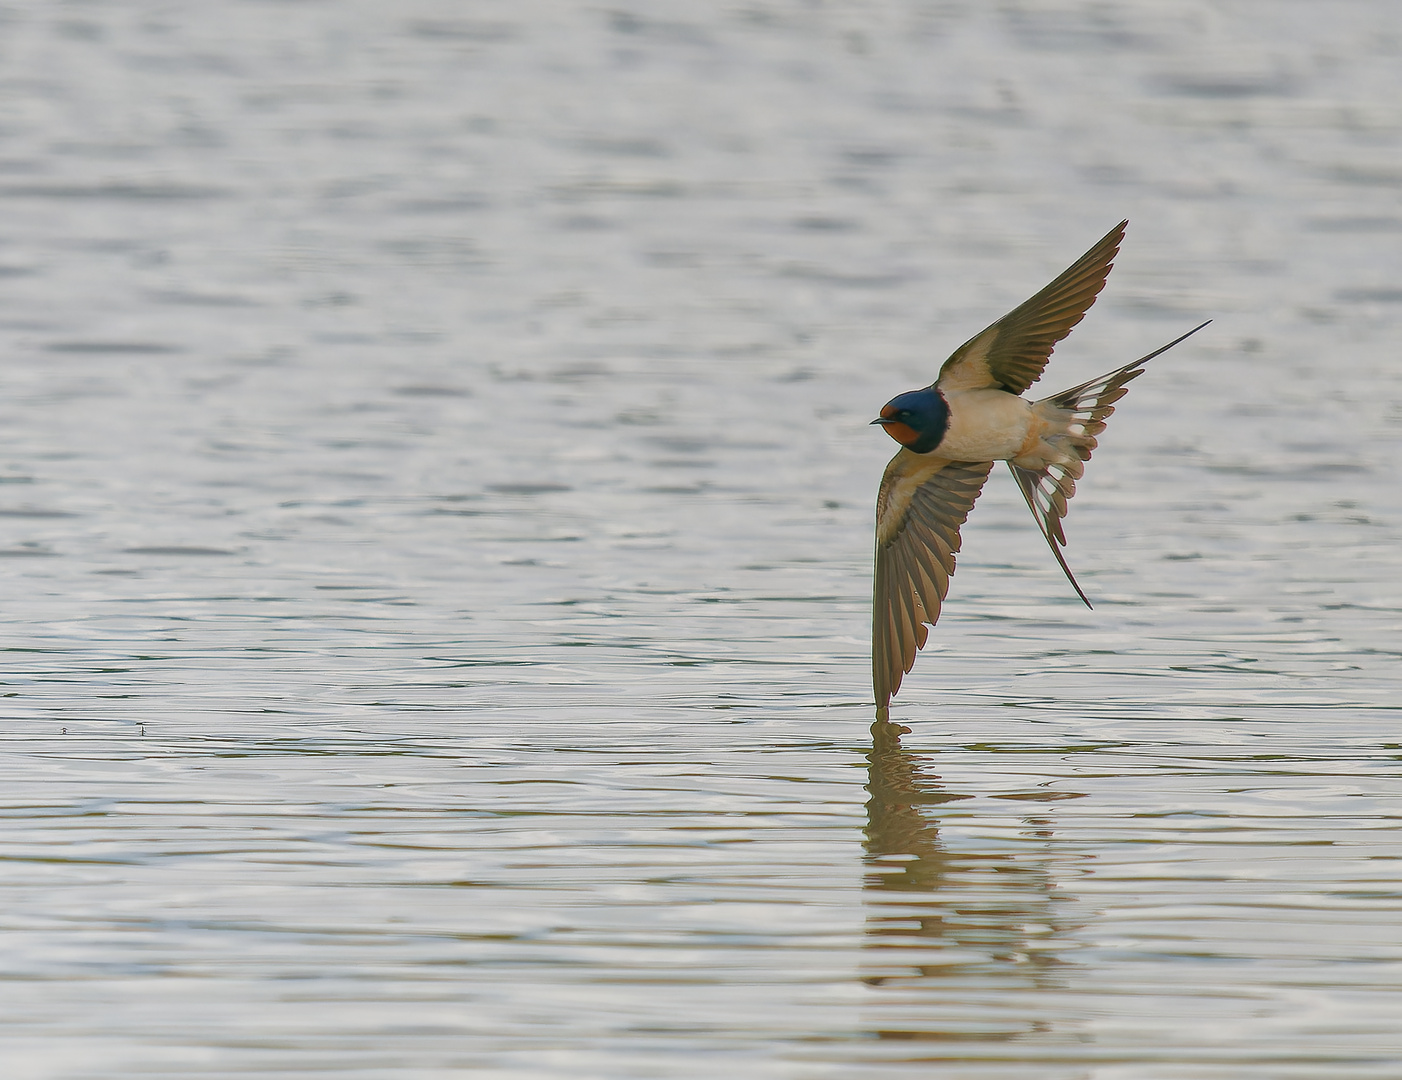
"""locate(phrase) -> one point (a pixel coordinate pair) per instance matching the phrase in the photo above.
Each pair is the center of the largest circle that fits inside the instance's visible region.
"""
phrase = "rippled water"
(435, 518)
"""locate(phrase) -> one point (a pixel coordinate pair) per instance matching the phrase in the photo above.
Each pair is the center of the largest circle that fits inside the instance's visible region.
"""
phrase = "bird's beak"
(882, 420)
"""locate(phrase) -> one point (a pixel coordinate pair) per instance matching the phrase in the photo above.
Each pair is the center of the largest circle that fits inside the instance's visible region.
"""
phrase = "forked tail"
(1082, 410)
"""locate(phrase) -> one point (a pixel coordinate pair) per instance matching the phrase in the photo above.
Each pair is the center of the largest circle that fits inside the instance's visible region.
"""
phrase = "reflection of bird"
(898, 821)
(953, 921)
(953, 431)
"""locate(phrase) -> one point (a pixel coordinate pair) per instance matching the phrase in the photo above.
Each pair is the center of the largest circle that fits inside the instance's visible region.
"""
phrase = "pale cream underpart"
(987, 425)
(993, 425)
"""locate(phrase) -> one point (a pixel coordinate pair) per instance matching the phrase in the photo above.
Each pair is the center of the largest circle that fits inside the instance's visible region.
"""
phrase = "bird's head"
(916, 419)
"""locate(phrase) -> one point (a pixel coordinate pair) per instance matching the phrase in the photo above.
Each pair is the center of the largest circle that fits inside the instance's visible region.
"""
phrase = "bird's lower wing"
(919, 510)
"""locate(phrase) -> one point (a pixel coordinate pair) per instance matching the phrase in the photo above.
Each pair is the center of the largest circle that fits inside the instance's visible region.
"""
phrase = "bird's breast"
(985, 425)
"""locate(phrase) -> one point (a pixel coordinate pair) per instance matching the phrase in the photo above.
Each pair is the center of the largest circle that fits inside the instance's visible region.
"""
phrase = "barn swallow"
(952, 432)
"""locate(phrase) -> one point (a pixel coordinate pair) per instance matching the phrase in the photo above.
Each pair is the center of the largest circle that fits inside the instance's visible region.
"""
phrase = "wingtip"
(1112, 239)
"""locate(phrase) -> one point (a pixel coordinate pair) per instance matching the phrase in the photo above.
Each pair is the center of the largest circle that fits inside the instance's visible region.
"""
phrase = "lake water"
(435, 520)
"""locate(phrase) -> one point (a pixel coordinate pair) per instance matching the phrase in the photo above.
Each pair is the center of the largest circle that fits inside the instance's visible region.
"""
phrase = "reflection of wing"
(1088, 405)
(902, 842)
(1012, 352)
(921, 505)
(944, 921)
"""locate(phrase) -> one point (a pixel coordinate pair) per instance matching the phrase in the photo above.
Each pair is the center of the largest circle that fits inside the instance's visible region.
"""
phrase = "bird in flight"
(952, 432)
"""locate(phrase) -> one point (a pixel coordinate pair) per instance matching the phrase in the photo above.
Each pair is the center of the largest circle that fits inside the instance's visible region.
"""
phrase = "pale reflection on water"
(960, 939)
(435, 522)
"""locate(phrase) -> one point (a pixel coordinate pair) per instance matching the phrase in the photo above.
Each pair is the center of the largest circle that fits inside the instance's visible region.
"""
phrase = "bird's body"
(988, 425)
(952, 432)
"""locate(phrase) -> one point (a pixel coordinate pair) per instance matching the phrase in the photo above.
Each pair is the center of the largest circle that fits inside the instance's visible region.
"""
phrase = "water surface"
(435, 509)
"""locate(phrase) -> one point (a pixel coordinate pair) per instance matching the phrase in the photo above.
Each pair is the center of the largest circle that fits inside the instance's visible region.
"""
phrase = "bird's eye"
(905, 414)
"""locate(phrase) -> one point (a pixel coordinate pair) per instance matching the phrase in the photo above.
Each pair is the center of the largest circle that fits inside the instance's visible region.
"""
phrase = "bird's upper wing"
(921, 504)
(1011, 353)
